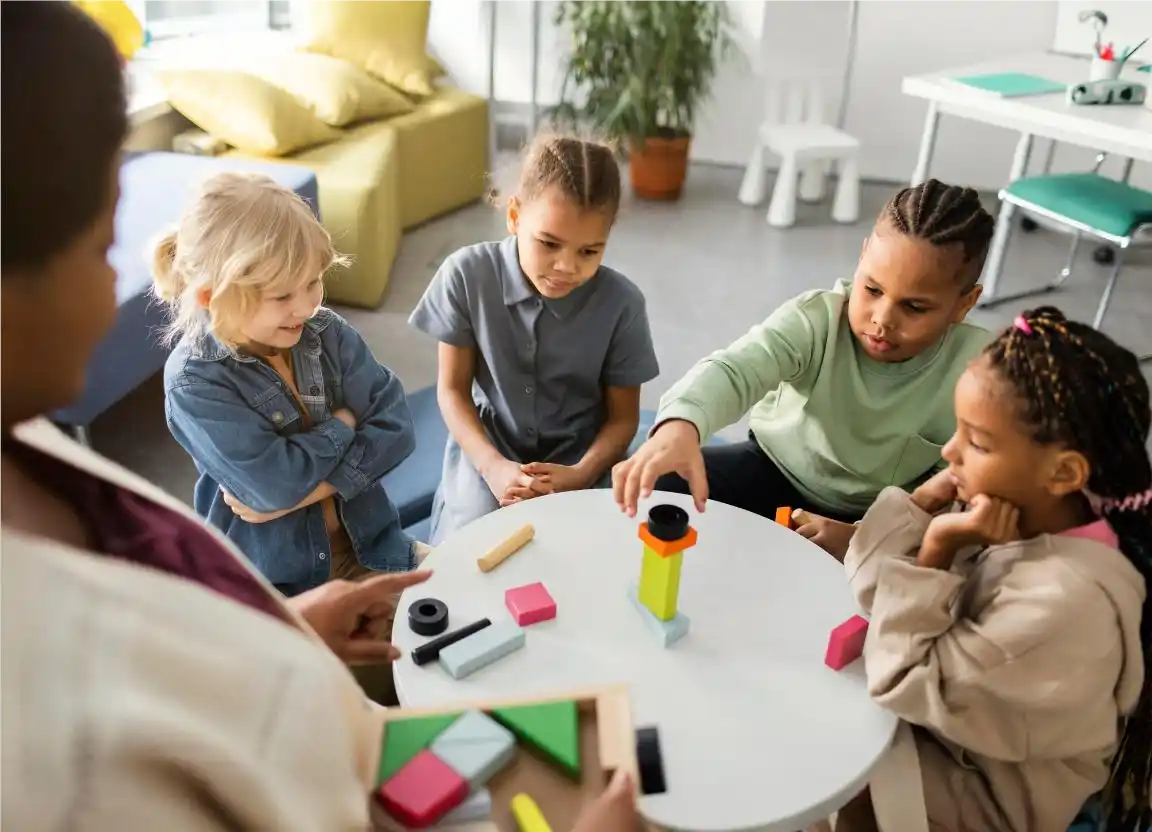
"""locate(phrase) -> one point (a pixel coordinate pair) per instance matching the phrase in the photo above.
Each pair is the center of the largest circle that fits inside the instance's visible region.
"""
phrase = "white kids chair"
(795, 130)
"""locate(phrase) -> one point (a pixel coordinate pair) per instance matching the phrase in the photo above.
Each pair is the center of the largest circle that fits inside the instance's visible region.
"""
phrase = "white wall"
(895, 39)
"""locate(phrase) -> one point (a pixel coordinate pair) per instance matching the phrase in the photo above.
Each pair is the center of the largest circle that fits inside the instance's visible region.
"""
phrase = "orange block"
(667, 548)
(784, 517)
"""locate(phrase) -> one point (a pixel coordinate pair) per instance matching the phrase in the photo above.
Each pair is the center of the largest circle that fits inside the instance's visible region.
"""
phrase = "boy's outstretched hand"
(350, 616)
(673, 448)
(612, 811)
(832, 536)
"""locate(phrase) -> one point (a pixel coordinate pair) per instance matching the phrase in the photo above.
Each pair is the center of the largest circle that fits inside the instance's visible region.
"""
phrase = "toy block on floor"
(660, 583)
(528, 816)
(405, 738)
(784, 517)
(530, 604)
(478, 806)
(666, 632)
(552, 728)
(846, 643)
(467, 656)
(651, 761)
(423, 791)
(476, 747)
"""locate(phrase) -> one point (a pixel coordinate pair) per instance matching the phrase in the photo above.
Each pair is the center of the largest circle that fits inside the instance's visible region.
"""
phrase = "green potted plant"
(638, 73)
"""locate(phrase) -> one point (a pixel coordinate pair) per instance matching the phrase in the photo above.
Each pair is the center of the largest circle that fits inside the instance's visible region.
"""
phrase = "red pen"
(1108, 53)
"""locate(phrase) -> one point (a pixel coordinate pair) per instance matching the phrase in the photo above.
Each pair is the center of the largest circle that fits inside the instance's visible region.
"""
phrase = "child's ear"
(513, 215)
(204, 297)
(1069, 474)
(966, 302)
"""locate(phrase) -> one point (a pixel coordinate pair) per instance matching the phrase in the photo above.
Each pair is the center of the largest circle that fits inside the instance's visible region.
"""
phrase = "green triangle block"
(405, 738)
(551, 728)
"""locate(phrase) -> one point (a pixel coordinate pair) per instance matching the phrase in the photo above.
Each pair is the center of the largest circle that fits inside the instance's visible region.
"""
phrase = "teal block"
(666, 632)
(476, 747)
(477, 807)
(482, 648)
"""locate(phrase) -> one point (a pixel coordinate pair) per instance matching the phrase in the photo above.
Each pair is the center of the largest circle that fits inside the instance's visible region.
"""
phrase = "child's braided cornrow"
(585, 171)
(1080, 388)
(942, 215)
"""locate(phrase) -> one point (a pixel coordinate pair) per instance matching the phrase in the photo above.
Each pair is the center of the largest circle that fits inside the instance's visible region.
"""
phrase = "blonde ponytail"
(168, 285)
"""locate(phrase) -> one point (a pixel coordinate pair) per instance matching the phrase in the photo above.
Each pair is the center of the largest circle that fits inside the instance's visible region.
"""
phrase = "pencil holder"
(1102, 70)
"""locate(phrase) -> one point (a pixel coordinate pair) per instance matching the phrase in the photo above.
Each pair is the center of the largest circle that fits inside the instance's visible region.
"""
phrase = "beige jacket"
(1020, 662)
(134, 700)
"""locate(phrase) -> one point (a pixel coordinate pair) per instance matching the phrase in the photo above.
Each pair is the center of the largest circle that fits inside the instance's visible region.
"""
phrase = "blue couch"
(154, 190)
(412, 484)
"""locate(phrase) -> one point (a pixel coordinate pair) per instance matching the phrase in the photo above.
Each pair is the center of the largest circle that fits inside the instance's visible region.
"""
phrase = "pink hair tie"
(1133, 502)
(1022, 324)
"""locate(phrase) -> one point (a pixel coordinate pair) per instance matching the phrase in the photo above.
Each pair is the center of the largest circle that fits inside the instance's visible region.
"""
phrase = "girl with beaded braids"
(847, 390)
(1014, 633)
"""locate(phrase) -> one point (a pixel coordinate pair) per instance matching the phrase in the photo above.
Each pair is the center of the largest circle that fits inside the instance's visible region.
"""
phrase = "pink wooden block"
(530, 604)
(422, 792)
(846, 644)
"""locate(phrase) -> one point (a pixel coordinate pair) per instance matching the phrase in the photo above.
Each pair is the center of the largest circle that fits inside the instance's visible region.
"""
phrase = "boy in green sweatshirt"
(850, 390)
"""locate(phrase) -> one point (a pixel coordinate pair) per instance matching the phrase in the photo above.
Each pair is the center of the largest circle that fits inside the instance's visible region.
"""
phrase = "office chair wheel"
(1104, 255)
(1027, 224)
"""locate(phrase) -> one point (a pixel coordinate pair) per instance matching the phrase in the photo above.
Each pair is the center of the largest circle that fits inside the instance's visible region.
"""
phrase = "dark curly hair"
(1079, 387)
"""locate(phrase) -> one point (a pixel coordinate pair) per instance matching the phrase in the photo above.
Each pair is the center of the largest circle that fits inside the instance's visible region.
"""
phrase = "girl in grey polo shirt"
(542, 348)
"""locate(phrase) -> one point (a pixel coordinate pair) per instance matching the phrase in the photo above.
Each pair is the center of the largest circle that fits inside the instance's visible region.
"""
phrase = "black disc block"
(428, 617)
(667, 522)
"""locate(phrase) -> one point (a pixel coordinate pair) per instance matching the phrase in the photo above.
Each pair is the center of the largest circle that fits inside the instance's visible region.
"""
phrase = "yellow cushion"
(245, 111)
(443, 154)
(386, 39)
(336, 92)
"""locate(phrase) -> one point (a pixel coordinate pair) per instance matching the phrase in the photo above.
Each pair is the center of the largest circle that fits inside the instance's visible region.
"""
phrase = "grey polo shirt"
(542, 365)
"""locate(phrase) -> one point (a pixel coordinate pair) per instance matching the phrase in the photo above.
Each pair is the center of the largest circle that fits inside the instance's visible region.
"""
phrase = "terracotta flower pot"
(658, 167)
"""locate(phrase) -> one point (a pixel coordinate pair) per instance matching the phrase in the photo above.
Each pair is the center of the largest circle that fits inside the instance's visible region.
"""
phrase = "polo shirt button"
(277, 416)
(315, 390)
(528, 390)
(322, 556)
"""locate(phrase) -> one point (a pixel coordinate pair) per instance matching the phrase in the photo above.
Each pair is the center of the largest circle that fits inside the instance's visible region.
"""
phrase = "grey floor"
(710, 268)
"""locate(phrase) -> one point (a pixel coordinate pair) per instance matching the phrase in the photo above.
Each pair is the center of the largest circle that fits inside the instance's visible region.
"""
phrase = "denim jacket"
(240, 423)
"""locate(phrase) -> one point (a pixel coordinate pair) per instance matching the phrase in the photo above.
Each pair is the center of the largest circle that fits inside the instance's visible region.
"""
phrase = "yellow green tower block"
(660, 583)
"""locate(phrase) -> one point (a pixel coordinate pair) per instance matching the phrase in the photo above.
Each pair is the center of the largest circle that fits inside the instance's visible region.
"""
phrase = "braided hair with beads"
(1080, 388)
(944, 215)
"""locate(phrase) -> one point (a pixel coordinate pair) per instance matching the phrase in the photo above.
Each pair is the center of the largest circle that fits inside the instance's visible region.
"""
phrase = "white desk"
(755, 730)
(1121, 130)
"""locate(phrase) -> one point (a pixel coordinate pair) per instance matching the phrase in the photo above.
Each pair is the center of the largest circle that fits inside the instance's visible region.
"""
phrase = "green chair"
(1084, 204)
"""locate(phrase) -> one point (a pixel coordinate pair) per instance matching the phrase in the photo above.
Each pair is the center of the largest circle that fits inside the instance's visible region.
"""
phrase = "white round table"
(756, 732)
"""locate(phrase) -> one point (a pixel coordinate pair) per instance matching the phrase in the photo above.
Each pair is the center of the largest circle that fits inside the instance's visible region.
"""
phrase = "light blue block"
(480, 649)
(666, 632)
(477, 807)
(476, 747)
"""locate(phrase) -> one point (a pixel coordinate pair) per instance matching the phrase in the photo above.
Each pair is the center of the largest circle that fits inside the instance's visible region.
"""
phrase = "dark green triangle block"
(552, 728)
(405, 738)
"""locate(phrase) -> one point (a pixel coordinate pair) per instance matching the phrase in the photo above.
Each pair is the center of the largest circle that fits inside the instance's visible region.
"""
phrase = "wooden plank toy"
(530, 604)
(430, 650)
(423, 791)
(651, 761)
(476, 747)
(478, 806)
(513, 544)
(846, 643)
(479, 650)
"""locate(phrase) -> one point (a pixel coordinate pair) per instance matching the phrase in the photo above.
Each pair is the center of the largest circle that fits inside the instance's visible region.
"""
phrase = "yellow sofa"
(383, 177)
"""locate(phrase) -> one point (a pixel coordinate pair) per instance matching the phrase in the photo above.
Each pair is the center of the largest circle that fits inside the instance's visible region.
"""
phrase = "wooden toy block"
(846, 644)
(405, 738)
(476, 747)
(423, 791)
(551, 728)
(481, 649)
(478, 806)
(667, 547)
(660, 583)
(528, 815)
(430, 651)
(513, 544)
(530, 604)
(428, 617)
(666, 632)
(784, 517)
(651, 761)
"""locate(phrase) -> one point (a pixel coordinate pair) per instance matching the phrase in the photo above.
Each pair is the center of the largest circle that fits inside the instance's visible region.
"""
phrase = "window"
(167, 19)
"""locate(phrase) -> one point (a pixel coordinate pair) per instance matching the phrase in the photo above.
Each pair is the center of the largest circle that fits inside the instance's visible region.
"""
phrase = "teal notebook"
(1011, 84)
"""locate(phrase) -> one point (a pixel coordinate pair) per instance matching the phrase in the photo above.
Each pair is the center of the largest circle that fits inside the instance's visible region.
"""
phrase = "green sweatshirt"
(840, 425)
